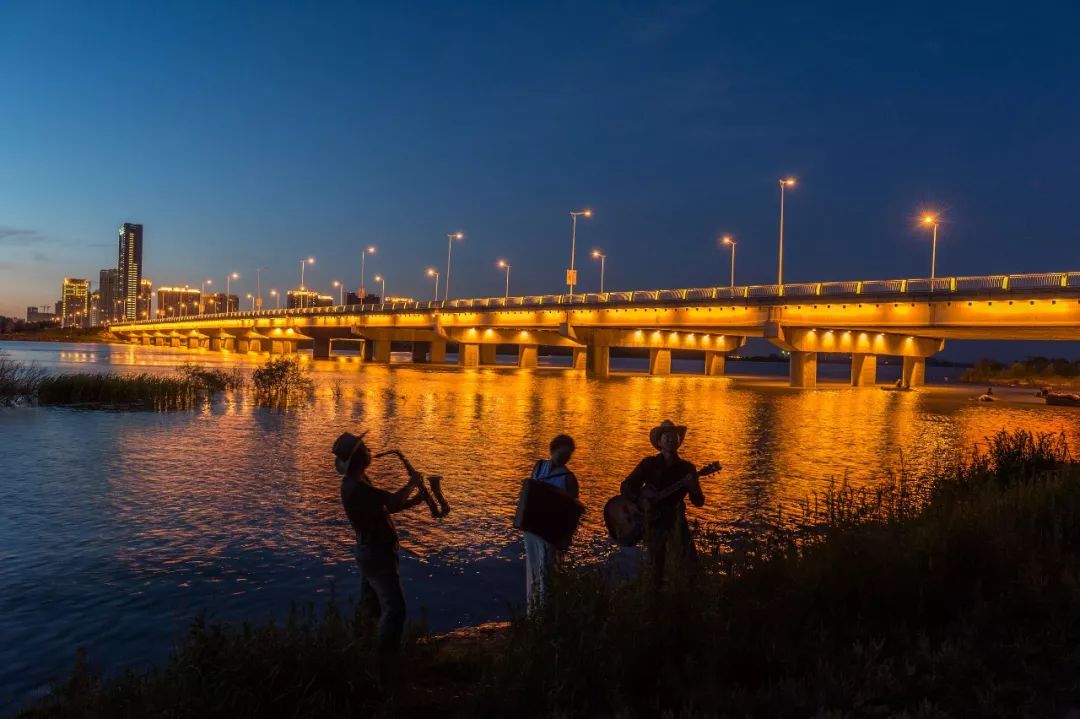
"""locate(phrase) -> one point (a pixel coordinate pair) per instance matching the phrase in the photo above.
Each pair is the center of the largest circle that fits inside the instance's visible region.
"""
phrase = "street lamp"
(382, 295)
(277, 299)
(432, 273)
(252, 298)
(202, 304)
(303, 263)
(506, 266)
(571, 274)
(228, 294)
(450, 237)
(363, 258)
(341, 292)
(603, 260)
(932, 221)
(789, 182)
(726, 240)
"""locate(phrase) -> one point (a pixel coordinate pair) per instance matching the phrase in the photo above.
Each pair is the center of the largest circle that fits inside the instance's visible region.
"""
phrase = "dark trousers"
(662, 544)
(382, 597)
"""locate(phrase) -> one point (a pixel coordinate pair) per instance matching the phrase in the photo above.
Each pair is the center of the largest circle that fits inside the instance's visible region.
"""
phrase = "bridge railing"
(922, 287)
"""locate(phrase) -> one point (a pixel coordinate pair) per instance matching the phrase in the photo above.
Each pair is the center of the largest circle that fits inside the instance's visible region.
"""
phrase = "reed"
(281, 381)
(114, 391)
(18, 380)
(212, 380)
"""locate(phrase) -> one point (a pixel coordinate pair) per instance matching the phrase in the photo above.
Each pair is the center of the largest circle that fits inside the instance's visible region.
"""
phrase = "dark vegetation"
(282, 381)
(114, 391)
(212, 380)
(955, 594)
(18, 381)
(1035, 371)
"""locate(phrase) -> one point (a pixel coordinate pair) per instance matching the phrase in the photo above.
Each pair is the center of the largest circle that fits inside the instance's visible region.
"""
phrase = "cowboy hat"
(345, 446)
(666, 426)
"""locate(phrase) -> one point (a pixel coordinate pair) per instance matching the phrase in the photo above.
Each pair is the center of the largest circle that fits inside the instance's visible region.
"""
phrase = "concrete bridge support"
(914, 372)
(659, 362)
(437, 352)
(714, 363)
(863, 370)
(487, 354)
(320, 348)
(420, 352)
(380, 351)
(527, 356)
(803, 369)
(468, 355)
(579, 357)
(600, 361)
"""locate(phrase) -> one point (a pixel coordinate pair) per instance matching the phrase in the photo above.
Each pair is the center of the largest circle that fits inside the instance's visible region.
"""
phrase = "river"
(116, 528)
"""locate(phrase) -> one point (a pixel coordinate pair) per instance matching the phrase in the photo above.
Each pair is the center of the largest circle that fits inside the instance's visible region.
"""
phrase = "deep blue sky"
(246, 135)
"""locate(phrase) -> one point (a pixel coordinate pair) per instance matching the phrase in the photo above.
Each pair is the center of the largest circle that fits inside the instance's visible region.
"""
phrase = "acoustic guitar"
(625, 518)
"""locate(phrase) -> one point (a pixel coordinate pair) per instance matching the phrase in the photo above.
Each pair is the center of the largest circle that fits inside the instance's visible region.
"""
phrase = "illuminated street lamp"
(382, 280)
(252, 298)
(432, 273)
(303, 263)
(726, 240)
(603, 261)
(202, 304)
(228, 280)
(789, 182)
(341, 292)
(363, 259)
(450, 237)
(506, 266)
(932, 221)
(571, 274)
(277, 299)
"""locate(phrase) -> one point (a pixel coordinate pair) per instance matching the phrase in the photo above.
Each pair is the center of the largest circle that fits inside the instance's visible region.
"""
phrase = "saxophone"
(431, 492)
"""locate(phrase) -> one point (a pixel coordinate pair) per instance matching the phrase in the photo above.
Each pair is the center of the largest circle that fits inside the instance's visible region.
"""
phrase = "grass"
(113, 391)
(18, 381)
(212, 380)
(953, 594)
(281, 381)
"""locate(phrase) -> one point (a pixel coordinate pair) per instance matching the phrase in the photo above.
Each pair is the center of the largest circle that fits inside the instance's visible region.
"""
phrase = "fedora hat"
(345, 446)
(666, 426)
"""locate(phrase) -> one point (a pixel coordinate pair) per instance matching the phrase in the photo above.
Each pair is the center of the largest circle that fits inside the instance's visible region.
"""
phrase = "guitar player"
(666, 527)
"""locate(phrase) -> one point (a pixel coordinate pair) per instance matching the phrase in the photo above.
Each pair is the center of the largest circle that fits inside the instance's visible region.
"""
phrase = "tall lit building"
(178, 301)
(129, 268)
(75, 303)
(95, 310)
(295, 299)
(109, 303)
(216, 302)
(146, 298)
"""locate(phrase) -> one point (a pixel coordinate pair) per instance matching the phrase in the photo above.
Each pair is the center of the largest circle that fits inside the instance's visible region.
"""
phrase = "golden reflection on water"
(481, 429)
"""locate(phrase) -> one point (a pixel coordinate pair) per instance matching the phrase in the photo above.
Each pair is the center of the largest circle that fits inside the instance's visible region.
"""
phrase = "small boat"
(1063, 399)
(986, 398)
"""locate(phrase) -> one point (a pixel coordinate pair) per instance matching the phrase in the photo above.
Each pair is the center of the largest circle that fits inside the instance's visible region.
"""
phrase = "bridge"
(907, 318)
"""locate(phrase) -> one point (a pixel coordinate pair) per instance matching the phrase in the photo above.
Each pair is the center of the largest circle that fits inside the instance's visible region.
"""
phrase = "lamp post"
(506, 266)
(363, 260)
(432, 273)
(726, 240)
(789, 182)
(932, 222)
(252, 298)
(308, 261)
(341, 292)
(450, 237)
(603, 261)
(228, 280)
(571, 274)
(277, 299)
(202, 304)
(382, 291)
(258, 287)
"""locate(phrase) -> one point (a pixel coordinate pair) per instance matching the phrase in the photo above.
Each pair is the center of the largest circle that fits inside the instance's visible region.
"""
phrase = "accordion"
(548, 512)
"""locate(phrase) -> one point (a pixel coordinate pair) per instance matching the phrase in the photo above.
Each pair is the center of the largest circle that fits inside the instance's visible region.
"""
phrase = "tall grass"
(212, 380)
(145, 391)
(281, 381)
(18, 381)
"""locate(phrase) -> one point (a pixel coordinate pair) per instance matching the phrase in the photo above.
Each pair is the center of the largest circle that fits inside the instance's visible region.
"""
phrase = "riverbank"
(96, 335)
(1039, 372)
(955, 593)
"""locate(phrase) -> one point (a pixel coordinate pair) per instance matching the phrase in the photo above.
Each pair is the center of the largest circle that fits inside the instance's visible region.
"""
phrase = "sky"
(248, 135)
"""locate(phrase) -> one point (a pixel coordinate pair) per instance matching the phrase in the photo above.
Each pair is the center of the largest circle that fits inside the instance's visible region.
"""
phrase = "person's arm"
(631, 486)
(400, 500)
(697, 497)
(572, 487)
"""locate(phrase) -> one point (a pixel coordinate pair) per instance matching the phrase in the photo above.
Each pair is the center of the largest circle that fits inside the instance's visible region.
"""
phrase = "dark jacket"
(368, 510)
(655, 473)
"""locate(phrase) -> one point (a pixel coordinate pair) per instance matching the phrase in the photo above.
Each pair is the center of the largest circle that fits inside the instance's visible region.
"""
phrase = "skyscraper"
(146, 298)
(129, 268)
(109, 303)
(178, 301)
(75, 303)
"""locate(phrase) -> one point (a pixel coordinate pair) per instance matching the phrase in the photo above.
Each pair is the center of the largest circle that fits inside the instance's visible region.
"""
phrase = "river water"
(116, 528)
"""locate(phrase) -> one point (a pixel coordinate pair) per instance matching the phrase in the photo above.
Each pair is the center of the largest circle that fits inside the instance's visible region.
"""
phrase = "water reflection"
(155, 516)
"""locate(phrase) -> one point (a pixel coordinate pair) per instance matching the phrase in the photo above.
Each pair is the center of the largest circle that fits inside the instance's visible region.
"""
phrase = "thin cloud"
(14, 237)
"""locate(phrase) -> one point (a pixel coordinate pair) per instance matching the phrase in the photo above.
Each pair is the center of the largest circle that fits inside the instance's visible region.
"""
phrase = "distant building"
(58, 311)
(324, 301)
(129, 269)
(297, 299)
(39, 314)
(178, 301)
(75, 303)
(215, 302)
(390, 299)
(109, 302)
(351, 298)
(146, 299)
(95, 309)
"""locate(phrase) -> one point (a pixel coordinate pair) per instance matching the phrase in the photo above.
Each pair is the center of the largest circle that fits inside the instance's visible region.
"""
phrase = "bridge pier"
(468, 355)
(714, 363)
(487, 354)
(380, 351)
(437, 352)
(320, 348)
(600, 361)
(863, 370)
(420, 352)
(579, 357)
(803, 369)
(914, 372)
(659, 362)
(528, 356)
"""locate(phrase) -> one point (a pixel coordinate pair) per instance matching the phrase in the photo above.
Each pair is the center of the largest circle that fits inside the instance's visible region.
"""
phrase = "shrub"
(18, 380)
(281, 380)
(212, 380)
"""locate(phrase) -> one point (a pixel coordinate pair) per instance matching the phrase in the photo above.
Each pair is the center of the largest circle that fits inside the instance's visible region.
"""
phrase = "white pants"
(540, 559)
